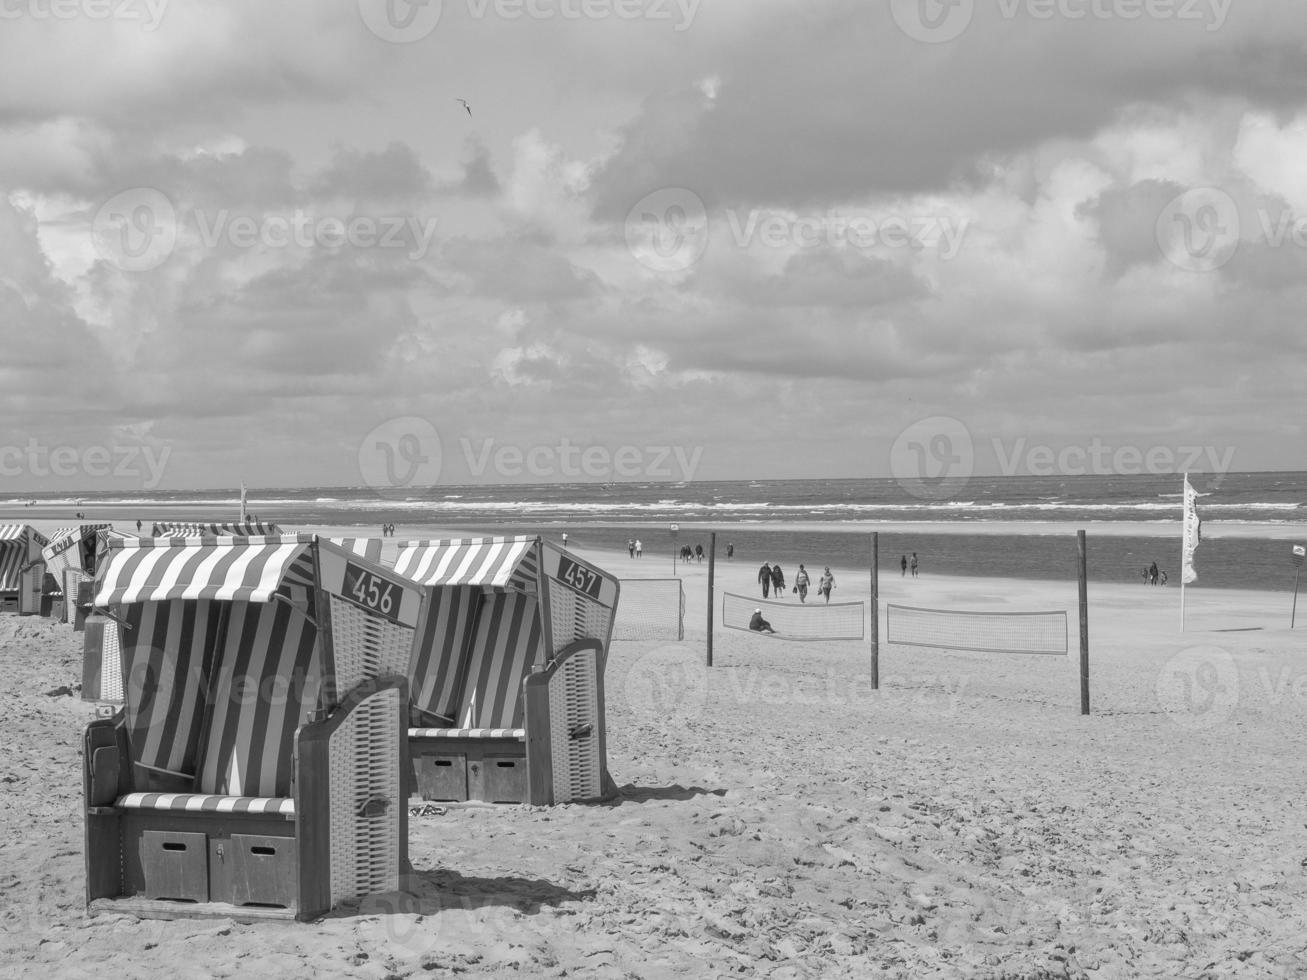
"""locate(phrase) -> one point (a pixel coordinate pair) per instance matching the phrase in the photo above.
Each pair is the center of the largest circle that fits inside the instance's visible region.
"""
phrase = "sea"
(764, 520)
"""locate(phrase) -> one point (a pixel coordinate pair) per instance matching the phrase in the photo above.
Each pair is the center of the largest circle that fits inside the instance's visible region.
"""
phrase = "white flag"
(1193, 534)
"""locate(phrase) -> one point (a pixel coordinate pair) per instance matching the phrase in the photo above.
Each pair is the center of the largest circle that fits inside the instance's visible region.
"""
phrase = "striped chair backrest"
(438, 665)
(267, 678)
(166, 660)
(506, 644)
(13, 556)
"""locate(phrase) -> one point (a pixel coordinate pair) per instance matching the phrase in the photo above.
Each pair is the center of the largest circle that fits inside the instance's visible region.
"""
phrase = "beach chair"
(22, 570)
(258, 766)
(194, 529)
(507, 672)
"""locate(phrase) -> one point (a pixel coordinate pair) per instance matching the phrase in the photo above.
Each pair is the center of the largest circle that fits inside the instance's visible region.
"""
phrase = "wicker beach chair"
(257, 768)
(22, 569)
(507, 671)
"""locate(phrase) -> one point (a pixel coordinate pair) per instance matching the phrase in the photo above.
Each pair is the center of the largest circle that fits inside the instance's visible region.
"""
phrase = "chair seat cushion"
(208, 803)
(514, 733)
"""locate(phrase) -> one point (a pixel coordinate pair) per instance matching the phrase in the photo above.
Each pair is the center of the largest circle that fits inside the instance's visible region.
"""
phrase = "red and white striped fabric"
(508, 641)
(517, 733)
(208, 803)
(164, 569)
(369, 548)
(437, 670)
(16, 552)
(64, 549)
(243, 529)
(488, 562)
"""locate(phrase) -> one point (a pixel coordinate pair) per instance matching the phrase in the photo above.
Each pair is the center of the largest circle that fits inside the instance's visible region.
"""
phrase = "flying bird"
(465, 105)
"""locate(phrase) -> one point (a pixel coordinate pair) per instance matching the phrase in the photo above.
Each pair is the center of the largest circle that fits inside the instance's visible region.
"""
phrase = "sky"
(671, 240)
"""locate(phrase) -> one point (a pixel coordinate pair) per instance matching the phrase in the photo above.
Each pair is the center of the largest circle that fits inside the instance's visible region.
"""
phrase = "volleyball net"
(798, 620)
(1038, 633)
(650, 609)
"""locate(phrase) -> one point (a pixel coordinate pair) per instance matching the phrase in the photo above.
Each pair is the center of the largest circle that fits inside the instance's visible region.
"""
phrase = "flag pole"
(1184, 540)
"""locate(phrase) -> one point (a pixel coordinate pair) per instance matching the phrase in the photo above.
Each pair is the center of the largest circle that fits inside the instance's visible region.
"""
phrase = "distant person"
(630, 547)
(914, 564)
(698, 553)
(1145, 575)
(138, 526)
(764, 577)
(730, 550)
(826, 584)
(564, 539)
(758, 624)
(778, 581)
(1163, 582)
(639, 548)
(1152, 574)
(801, 583)
(903, 564)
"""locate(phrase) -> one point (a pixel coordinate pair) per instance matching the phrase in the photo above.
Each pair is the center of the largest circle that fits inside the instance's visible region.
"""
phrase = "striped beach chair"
(507, 671)
(195, 529)
(22, 569)
(257, 768)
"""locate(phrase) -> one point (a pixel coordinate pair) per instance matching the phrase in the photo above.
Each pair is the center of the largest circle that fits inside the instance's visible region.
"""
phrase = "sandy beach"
(779, 818)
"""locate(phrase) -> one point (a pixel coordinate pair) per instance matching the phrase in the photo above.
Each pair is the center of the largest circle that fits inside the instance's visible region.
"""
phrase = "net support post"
(1083, 577)
(712, 567)
(875, 610)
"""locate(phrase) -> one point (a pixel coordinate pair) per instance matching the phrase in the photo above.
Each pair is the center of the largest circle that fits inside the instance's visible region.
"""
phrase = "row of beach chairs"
(280, 699)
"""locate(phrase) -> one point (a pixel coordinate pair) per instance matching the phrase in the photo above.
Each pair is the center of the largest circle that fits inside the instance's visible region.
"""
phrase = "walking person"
(730, 550)
(801, 583)
(778, 581)
(639, 548)
(903, 564)
(630, 547)
(764, 577)
(914, 564)
(1152, 574)
(826, 584)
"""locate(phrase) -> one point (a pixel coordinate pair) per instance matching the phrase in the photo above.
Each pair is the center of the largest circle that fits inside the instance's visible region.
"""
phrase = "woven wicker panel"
(573, 701)
(574, 617)
(72, 578)
(365, 766)
(111, 664)
(365, 645)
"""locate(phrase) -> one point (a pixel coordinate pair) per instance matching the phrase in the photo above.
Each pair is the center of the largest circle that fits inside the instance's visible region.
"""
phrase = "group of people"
(634, 547)
(904, 564)
(1154, 576)
(695, 553)
(387, 530)
(772, 578)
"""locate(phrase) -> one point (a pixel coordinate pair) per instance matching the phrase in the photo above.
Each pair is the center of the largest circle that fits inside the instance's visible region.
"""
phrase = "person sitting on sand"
(758, 624)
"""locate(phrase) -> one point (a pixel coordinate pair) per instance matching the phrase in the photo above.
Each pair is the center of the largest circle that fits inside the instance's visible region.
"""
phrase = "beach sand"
(779, 818)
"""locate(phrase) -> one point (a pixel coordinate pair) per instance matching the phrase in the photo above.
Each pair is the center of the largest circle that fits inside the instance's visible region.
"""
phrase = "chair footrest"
(207, 803)
(518, 734)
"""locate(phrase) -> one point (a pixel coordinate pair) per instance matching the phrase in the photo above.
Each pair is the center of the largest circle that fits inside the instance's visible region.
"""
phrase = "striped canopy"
(220, 528)
(162, 570)
(490, 562)
(16, 541)
(22, 532)
(64, 540)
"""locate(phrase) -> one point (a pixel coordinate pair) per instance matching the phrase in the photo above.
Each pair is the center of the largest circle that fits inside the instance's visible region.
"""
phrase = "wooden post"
(875, 610)
(1084, 622)
(1293, 615)
(712, 565)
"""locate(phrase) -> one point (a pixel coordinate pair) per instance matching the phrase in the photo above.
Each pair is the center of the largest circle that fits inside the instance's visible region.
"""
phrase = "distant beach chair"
(22, 569)
(258, 766)
(507, 672)
(71, 558)
(244, 529)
